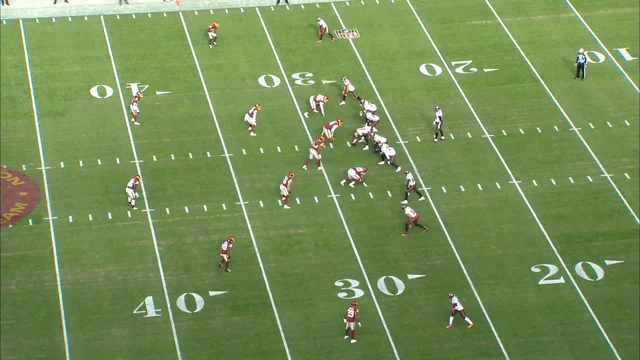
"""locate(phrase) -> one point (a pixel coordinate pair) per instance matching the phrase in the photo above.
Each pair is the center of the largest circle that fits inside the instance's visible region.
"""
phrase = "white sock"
(133, 203)
(468, 320)
(450, 320)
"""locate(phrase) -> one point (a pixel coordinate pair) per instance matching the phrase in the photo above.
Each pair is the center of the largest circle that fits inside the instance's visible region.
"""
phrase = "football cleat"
(381, 163)
(405, 234)
(403, 202)
(136, 123)
(449, 326)
(304, 167)
(470, 326)
(351, 184)
(341, 103)
(320, 167)
(365, 148)
(227, 270)
(352, 340)
(346, 337)
(435, 140)
(398, 169)
(219, 265)
(319, 41)
(306, 115)
(342, 182)
(421, 199)
(442, 137)
(134, 208)
(287, 207)
(425, 229)
(253, 134)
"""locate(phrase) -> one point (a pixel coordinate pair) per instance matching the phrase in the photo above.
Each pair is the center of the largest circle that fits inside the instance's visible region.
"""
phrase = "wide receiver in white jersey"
(411, 186)
(316, 102)
(250, 118)
(388, 154)
(323, 29)
(131, 191)
(438, 124)
(457, 308)
(348, 88)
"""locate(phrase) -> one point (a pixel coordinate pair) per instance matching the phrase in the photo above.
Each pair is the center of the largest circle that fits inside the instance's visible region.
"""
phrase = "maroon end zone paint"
(20, 196)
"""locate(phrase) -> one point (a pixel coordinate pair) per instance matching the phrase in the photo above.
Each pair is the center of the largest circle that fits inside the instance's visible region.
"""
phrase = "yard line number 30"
(353, 292)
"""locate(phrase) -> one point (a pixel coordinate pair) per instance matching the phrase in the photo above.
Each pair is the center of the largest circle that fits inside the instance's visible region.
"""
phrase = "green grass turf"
(108, 265)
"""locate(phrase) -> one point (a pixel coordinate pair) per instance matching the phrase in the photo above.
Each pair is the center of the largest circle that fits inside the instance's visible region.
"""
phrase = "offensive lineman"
(411, 186)
(389, 154)
(457, 308)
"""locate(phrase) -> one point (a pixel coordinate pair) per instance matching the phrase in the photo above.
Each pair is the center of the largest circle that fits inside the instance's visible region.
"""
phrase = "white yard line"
(144, 194)
(333, 195)
(575, 11)
(54, 246)
(513, 179)
(237, 186)
(584, 142)
(433, 206)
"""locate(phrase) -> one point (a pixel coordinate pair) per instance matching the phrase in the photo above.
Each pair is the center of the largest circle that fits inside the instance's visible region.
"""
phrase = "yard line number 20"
(597, 272)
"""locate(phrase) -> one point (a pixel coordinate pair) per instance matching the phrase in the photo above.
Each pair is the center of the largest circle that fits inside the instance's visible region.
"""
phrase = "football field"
(532, 198)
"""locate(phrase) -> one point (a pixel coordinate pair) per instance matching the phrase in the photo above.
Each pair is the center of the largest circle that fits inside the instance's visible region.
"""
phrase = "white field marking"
(371, 195)
(133, 15)
(297, 201)
(37, 21)
(609, 124)
(479, 187)
(226, 11)
(553, 181)
(362, 1)
(353, 197)
(144, 194)
(451, 135)
(377, 2)
(70, 218)
(128, 213)
(154, 158)
(224, 207)
(589, 178)
(244, 152)
(627, 176)
(556, 128)
(53, 19)
(173, 157)
(242, 10)
(90, 217)
(444, 190)
(196, 12)
(469, 134)
(401, 142)
(237, 186)
(515, 182)
(150, 14)
(190, 156)
(575, 11)
(117, 160)
(302, 6)
(167, 210)
(487, 135)
(261, 151)
(208, 154)
(288, 6)
(613, 262)
(81, 163)
(462, 188)
(109, 216)
(571, 180)
(347, 3)
(534, 183)
(211, 12)
(441, 222)
(498, 185)
(54, 246)
(279, 203)
(165, 14)
(389, 193)
(627, 123)
(417, 138)
(318, 5)
(316, 199)
(186, 209)
(279, 149)
(272, 8)
(118, 17)
(99, 162)
(69, 18)
(521, 132)
(261, 204)
(539, 131)
(331, 145)
(204, 207)
(586, 145)
(504, 133)
(30, 221)
(591, 126)
(24, 167)
(372, 293)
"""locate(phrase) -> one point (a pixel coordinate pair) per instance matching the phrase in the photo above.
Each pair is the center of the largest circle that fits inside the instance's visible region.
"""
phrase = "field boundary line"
(237, 186)
(144, 193)
(593, 34)
(514, 180)
(333, 194)
(428, 195)
(584, 142)
(54, 245)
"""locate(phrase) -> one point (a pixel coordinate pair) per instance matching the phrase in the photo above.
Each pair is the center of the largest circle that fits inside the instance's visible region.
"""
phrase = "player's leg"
(415, 190)
(466, 318)
(424, 228)
(406, 228)
(441, 132)
(392, 162)
(383, 157)
(453, 313)
(319, 163)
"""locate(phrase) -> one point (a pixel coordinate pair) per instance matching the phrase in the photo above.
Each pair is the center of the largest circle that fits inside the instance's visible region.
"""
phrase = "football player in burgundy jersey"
(212, 32)
(225, 258)
(351, 316)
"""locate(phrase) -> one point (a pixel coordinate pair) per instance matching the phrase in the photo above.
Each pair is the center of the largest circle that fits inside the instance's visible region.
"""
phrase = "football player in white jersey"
(411, 186)
(457, 308)
(378, 141)
(438, 124)
(368, 107)
(131, 191)
(362, 134)
(347, 87)
(323, 29)
(388, 154)
(413, 220)
(372, 119)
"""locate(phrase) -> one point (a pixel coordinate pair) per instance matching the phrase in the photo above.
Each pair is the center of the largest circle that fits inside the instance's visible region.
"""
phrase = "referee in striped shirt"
(581, 64)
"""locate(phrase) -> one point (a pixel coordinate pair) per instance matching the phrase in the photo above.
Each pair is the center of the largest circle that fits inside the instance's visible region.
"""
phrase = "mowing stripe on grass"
(333, 195)
(144, 194)
(433, 206)
(237, 186)
(508, 169)
(584, 142)
(575, 11)
(54, 246)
